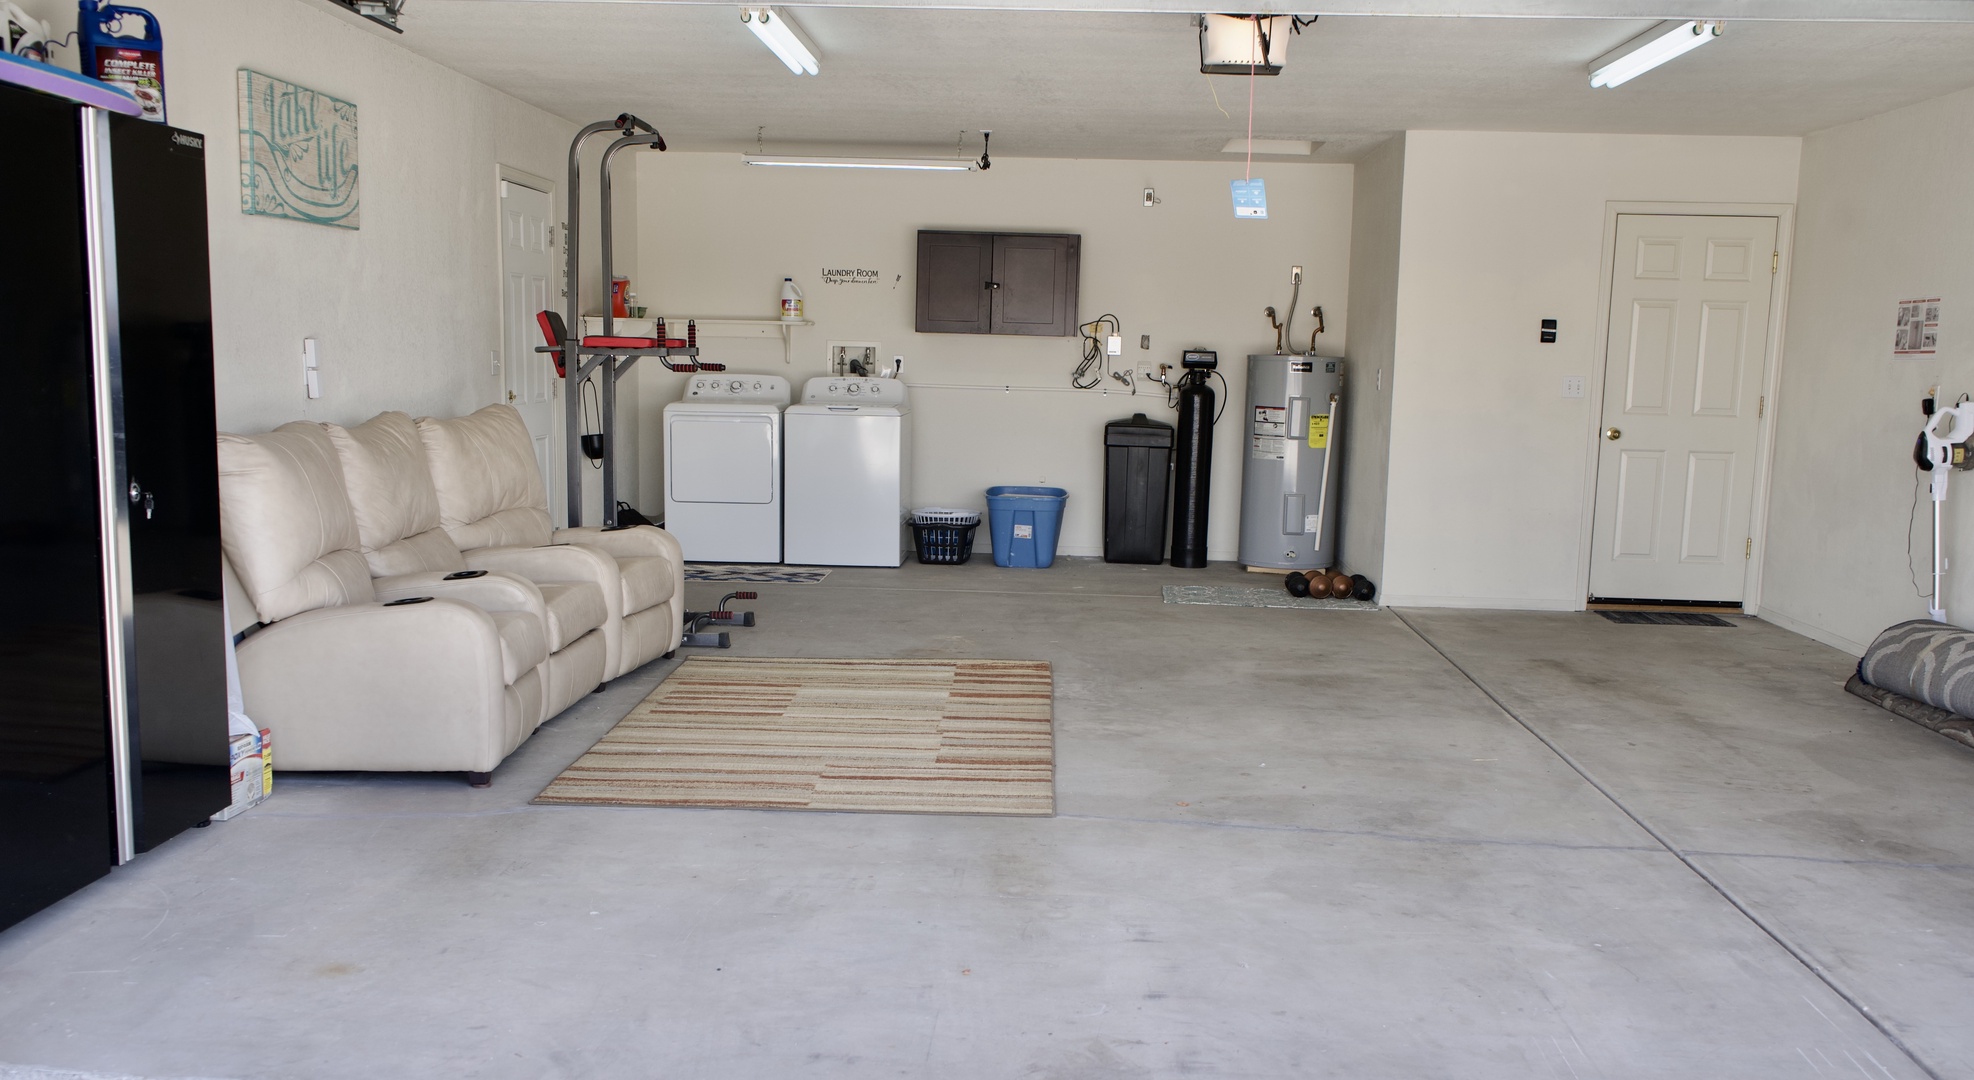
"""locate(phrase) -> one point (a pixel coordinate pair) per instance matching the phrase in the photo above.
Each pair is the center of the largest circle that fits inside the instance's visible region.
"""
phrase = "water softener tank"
(1289, 479)
(1192, 471)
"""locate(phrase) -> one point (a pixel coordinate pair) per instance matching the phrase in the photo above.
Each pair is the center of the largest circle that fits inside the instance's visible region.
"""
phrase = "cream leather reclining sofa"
(411, 607)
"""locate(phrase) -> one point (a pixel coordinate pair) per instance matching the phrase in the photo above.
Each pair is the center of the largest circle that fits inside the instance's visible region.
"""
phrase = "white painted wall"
(406, 309)
(1501, 230)
(718, 237)
(1376, 201)
(1886, 214)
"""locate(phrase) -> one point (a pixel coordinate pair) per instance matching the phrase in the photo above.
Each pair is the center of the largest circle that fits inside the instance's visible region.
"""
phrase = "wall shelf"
(737, 327)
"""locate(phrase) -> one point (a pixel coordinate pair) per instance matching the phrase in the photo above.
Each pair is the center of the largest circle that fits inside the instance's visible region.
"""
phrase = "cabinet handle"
(993, 284)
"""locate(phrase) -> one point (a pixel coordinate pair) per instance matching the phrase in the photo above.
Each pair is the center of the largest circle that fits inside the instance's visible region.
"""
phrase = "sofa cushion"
(286, 523)
(574, 609)
(488, 482)
(522, 647)
(390, 489)
(647, 581)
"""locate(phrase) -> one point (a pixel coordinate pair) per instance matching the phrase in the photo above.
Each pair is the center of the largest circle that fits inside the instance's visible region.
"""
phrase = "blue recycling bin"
(1025, 522)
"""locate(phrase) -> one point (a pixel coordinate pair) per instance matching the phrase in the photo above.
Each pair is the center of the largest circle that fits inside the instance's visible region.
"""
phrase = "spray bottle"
(22, 35)
(123, 46)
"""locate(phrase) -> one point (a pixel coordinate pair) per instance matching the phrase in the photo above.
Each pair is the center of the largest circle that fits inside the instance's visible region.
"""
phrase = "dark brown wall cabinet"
(997, 283)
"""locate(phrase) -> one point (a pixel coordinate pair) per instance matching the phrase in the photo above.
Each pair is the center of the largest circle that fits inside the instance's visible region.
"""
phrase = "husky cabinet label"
(1271, 420)
(1268, 447)
(1319, 432)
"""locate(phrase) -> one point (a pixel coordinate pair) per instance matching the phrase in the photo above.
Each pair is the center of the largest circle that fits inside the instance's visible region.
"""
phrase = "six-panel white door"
(527, 267)
(1682, 402)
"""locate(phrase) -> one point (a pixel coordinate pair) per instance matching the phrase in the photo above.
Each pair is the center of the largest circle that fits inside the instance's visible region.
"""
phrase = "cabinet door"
(953, 271)
(1035, 277)
(177, 654)
(56, 829)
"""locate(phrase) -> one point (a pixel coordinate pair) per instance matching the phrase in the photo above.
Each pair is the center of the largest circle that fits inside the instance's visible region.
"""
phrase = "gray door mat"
(1257, 597)
(744, 572)
(1664, 618)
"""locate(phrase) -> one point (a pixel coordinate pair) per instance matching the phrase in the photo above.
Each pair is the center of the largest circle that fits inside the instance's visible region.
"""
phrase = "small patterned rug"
(895, 736)
(780, 575)
(1255, 596)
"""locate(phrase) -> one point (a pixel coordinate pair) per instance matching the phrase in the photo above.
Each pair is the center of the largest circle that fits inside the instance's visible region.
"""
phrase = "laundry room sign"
(850, 277)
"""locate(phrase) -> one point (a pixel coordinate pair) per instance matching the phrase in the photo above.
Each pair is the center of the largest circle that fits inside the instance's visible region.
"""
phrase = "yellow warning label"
(1319, 432)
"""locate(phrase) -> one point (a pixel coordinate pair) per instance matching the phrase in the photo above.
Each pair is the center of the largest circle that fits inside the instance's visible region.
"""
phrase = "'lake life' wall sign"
(297, 153)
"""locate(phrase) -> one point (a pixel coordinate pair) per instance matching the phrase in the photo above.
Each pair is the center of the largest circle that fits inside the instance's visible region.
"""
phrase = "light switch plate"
(1572, 386)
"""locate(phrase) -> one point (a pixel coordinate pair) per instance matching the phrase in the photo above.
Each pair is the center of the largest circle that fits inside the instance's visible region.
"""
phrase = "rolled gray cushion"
(1925, 661)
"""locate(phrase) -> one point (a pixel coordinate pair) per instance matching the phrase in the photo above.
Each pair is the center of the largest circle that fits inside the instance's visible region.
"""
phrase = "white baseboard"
(1486, 603)
(1813, 632)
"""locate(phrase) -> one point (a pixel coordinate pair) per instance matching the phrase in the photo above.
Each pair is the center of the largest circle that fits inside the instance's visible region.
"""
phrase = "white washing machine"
(723, 480)
(849, 473)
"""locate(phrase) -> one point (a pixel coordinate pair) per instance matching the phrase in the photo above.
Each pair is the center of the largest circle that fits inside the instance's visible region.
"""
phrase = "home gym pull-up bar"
(605, 355)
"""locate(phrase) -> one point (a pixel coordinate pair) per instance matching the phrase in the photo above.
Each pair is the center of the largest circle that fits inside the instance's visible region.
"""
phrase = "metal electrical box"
(1289, 478)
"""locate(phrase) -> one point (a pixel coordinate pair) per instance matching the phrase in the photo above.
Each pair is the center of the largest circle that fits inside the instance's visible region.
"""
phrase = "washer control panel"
(840, 390)
(733, 386)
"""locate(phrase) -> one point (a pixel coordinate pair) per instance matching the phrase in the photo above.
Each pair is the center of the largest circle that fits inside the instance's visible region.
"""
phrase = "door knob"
(1612, 434)
(510, 395)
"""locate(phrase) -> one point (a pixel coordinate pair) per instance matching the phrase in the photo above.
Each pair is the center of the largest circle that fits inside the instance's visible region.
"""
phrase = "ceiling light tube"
(1650, 49)
(783, 37)
(907, 164)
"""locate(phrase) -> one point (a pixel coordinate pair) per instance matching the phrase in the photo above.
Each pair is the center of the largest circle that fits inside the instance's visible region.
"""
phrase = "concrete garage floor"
(1288, 844)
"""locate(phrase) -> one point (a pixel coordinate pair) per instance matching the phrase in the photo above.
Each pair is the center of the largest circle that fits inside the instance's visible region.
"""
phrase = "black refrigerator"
(113, 724)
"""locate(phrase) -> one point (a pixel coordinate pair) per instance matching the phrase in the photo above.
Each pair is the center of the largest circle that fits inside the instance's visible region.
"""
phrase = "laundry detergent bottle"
(123, 46)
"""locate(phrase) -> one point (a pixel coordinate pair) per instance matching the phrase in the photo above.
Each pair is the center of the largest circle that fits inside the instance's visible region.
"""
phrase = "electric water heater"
(1289, 476)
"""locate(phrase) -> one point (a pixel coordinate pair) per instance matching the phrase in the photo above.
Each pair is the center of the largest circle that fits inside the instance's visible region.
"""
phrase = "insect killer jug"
(122, 46)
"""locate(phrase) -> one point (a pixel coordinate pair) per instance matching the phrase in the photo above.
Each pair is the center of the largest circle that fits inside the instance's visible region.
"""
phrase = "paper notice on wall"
(1918, 333)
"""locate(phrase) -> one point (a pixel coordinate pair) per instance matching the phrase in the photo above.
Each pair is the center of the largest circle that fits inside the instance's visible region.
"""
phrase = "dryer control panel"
(738, 387)
(840, 390)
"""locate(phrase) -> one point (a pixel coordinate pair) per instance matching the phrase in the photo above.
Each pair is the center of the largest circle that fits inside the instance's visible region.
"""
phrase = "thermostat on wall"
(1199, 358)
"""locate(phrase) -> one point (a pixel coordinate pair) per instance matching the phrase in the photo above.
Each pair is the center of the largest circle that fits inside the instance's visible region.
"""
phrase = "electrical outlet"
(1572, 386)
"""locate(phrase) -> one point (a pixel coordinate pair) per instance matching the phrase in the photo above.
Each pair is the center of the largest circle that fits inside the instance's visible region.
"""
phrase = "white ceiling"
(1113, 84)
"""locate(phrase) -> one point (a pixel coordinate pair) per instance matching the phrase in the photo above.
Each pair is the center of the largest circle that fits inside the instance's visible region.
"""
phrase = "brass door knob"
(1612, 434)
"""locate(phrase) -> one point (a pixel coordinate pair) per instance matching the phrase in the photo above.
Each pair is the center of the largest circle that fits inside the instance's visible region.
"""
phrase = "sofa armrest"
(415, 687)
(625, 543)
(488, 592)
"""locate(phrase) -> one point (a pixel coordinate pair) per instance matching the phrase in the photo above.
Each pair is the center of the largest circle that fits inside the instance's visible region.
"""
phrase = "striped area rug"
(894, 736)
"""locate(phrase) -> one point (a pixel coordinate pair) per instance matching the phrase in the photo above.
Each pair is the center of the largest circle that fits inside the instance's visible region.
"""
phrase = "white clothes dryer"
(849, 473)
(723, 483)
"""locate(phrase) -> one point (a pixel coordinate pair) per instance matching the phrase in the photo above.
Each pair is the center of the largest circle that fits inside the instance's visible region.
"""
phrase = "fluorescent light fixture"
(906, 164)
(784, 37)
(1301, 147)
(1650, 49)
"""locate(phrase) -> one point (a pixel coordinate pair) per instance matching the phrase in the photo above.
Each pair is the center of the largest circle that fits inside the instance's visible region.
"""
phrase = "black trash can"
(1137, 478)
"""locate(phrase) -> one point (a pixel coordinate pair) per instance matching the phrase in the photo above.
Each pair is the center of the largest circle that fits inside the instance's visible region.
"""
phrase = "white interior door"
(527, 268)
(1682, 406)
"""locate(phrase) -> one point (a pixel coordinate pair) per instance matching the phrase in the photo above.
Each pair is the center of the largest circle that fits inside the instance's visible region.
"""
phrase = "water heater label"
(1312, 522)
(1271, 420)
(1319, 432)
(1268, 447)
